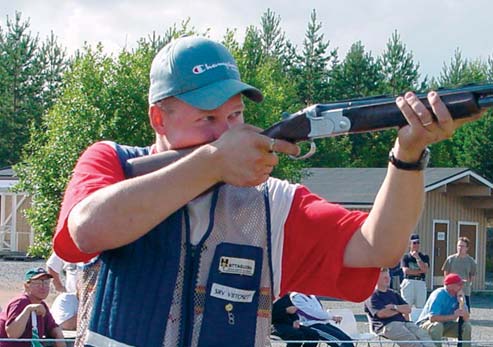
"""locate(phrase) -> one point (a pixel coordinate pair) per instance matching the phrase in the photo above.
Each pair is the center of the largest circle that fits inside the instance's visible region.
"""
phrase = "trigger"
(313, 149)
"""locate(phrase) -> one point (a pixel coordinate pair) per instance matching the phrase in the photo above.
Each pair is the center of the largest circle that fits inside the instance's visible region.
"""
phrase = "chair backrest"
(370, 325)
(348, 323)
(415, 313)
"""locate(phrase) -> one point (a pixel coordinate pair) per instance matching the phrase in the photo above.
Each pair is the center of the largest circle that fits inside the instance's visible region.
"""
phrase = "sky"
(431, 30)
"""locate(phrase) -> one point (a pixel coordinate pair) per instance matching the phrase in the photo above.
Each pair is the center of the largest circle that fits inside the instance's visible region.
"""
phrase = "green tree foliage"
(31, 74)
(472, 144)
(461, 71)
(260, 66)
(272, 36)
(311, 72)
(313, 64)
(400, 72)
(360, 75)
(104, 97)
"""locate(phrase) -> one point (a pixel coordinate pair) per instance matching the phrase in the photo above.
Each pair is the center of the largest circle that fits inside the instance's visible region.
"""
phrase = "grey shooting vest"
(162, 291)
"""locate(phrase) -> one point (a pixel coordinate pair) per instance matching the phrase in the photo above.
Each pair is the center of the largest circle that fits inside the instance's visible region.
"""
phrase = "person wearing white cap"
(221, 252)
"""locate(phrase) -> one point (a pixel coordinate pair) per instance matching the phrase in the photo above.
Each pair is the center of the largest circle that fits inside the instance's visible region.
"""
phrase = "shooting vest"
(163, 291)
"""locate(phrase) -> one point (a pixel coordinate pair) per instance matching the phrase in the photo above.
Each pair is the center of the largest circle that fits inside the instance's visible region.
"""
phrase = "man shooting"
(218, 258)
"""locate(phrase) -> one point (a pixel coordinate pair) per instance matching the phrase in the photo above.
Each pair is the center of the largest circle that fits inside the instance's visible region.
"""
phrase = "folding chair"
(380, 337)
(350, 327)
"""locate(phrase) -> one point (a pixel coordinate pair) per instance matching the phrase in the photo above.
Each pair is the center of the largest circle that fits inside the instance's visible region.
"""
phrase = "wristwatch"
(419, 165)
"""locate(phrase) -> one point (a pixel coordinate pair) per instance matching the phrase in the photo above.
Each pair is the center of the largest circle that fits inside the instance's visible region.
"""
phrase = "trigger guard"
(313, 149)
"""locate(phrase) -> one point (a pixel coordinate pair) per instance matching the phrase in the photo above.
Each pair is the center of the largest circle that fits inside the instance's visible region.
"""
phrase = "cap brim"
(214, 95)
(38, 276)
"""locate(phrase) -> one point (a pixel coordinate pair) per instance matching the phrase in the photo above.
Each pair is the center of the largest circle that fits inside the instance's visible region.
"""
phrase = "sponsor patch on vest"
(231, 294)
(237, 266)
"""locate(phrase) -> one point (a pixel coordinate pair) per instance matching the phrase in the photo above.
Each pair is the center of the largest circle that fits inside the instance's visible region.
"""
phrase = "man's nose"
(220, 128)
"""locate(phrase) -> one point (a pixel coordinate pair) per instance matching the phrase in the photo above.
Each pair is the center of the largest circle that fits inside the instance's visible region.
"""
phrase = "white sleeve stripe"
(281, 195)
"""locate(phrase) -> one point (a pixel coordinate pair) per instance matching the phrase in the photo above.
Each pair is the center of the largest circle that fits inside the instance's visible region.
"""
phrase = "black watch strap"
(419, 165)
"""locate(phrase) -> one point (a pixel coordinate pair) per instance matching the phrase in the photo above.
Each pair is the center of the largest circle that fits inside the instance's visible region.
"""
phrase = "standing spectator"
(286, 324)
(414, 266)
(64, 308)
(15, 321)
(389, 315)
(396, 277)
(312, 314)
(464, 265)
(442, 311)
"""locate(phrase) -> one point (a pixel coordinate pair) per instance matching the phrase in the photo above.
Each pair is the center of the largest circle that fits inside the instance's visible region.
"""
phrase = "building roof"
(359, 186)
(7, 179)
(6, 173)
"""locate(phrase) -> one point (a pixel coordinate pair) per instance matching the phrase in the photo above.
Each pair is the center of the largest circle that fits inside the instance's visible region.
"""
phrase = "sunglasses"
(415, 242)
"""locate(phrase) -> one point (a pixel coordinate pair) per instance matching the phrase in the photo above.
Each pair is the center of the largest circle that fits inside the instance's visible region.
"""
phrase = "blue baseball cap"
(198, 71)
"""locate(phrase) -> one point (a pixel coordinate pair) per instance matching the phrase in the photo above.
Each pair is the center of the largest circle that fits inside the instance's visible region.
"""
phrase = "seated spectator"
(286, 324)
(15, 321)
(389, 315)
(64, 308)
(312, 314)
(442, 311)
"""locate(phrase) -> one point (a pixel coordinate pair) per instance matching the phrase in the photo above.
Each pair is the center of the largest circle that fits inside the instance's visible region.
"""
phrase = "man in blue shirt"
(442, 311)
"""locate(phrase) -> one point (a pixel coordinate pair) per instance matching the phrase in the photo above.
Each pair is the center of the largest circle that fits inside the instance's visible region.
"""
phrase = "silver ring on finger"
(272, 143)
(427, 124)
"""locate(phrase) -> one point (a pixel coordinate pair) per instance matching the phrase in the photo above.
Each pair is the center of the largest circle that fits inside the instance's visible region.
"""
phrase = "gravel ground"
(12, 273)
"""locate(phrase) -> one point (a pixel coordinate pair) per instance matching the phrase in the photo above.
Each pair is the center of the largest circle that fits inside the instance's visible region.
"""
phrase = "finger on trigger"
(286, 147)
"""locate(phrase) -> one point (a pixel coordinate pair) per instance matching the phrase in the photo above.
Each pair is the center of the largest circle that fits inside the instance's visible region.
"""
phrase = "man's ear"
(156, 118)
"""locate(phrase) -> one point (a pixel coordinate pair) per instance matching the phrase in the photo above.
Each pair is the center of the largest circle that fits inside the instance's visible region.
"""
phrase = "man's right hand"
(243, 157)
(38, 308)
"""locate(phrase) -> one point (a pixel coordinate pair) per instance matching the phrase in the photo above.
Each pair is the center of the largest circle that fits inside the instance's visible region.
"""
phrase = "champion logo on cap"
(198, 69)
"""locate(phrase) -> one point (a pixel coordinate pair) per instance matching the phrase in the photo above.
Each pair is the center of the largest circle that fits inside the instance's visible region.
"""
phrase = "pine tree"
(31, 75)
(313, 64)
(400, 72)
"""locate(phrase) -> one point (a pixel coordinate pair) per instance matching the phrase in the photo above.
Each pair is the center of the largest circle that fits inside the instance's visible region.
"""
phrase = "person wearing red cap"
(16, 321)
(442, 311)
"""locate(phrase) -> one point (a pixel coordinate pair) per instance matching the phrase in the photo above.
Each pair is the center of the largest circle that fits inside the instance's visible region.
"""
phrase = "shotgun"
(338, 118)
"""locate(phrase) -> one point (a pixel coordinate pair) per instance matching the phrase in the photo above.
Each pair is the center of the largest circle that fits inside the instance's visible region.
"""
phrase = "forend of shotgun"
(338, 118)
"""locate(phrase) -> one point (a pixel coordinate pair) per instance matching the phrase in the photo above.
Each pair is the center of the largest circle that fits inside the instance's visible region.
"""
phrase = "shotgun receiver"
(338, 118)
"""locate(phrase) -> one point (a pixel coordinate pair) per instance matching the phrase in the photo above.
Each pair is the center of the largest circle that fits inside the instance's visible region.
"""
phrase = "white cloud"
(432, 30)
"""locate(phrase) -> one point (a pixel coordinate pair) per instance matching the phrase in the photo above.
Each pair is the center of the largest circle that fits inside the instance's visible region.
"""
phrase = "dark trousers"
(289, 333)
(329, 333)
